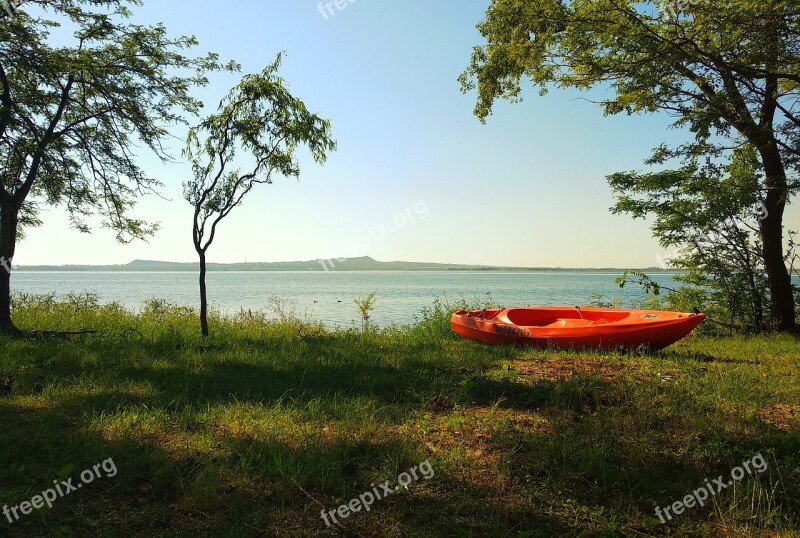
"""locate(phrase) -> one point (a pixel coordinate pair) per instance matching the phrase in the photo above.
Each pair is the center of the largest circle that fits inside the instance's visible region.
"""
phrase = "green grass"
(244, 434)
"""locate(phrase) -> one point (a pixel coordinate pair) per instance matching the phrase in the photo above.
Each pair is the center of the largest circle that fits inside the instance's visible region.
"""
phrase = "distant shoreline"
(364, 263)
(489, 270)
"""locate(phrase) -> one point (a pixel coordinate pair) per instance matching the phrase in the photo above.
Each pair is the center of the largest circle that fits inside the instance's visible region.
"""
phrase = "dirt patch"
(474, 432)
(782, 416)
(478, 442)
(169, 439)
(525, 420)
(531, 371)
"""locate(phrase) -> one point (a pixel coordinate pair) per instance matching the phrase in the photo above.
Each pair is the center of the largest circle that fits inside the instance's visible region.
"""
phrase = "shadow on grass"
(582, 395)
(243, 487)
(613, 452)
(683, 356)
(621, 448)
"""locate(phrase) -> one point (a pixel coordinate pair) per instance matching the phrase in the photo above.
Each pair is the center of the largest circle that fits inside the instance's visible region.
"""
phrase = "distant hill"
(363, 263)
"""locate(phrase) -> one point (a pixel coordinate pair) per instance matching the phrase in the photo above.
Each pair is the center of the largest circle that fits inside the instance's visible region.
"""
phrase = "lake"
(329, 296)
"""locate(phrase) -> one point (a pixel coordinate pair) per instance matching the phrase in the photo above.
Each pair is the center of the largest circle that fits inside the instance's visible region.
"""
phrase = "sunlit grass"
(243, 434)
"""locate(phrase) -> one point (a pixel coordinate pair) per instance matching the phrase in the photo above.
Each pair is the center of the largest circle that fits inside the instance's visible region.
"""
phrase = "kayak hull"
(573, 327)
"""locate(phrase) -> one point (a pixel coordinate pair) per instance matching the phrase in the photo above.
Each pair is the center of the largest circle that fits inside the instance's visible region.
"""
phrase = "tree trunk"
(780, 282)
(203, 296)
(8, 241)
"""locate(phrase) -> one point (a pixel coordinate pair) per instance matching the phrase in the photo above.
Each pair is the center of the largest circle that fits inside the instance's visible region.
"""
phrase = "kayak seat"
(561, 322)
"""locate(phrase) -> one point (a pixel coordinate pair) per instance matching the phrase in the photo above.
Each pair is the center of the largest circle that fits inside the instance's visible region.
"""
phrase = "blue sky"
(527, 189)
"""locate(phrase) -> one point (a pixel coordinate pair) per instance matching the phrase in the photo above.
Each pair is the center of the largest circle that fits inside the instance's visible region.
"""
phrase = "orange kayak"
(571, 326)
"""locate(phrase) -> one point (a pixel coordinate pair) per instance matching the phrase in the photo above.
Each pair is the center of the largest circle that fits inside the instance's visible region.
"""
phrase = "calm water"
(329, 296)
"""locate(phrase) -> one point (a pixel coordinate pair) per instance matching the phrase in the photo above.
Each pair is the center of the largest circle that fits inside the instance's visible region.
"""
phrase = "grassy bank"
(252, 432)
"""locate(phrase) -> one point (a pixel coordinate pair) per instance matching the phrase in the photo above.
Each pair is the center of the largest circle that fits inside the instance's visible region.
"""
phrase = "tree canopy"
(728, 71)
(81, 88)
(261, 121)
(72, 115)
(711, 217)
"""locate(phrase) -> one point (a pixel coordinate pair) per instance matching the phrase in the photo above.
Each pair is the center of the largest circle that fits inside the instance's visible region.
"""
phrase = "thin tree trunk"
(203, 296)
(780, 282)
(8, 240)
(6, 325)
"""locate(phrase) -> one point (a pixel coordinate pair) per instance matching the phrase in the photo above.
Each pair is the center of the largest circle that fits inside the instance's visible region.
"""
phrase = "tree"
(365, 306)
(70, 115)
(726, 68)
(714, 225)
(260, 117)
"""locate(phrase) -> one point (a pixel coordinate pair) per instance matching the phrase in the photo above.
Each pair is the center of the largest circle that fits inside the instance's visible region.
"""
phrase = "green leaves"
(261, 119)
(266, 123)
(706, 212)
(72, 115)
(708, 64)
(726, 70)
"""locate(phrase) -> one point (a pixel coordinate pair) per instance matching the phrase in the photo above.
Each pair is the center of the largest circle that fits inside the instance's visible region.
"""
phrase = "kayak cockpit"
(566, 317)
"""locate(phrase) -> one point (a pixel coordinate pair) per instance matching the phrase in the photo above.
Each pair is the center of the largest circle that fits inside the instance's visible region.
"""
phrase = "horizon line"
(343, 262)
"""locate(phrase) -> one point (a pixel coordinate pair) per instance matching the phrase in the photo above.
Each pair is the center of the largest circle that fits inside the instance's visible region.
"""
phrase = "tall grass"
(252, 431)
